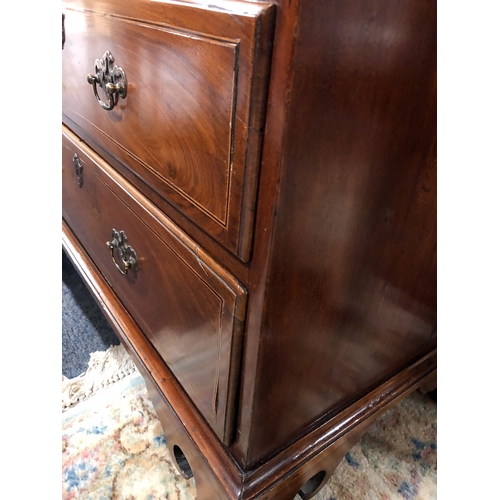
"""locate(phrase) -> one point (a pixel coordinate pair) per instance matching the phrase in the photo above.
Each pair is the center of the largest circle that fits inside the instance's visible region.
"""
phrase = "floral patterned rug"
(113, 447)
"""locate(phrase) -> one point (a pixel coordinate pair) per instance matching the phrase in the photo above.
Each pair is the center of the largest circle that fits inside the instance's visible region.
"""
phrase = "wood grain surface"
(318, 238)
(350, 296)
(216, 473)
(190, 124)
(189, 308)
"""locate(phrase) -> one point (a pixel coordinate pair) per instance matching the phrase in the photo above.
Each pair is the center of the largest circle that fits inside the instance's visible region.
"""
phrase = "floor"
(84, 327)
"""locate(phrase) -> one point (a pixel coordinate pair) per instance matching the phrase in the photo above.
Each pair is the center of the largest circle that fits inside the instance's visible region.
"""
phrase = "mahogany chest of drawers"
(249, 191)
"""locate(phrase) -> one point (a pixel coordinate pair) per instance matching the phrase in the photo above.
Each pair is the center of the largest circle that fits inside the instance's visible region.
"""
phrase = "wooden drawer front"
(190, 309)
(190, 124)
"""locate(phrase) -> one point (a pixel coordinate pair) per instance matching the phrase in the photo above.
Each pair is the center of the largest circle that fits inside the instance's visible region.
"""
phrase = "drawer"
(190, 124)
(189, 308)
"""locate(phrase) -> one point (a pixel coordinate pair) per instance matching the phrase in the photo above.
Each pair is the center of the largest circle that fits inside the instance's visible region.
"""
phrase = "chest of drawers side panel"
(351, 292)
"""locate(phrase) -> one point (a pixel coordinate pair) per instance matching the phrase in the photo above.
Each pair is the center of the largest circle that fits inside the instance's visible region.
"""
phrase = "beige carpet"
(113, 445)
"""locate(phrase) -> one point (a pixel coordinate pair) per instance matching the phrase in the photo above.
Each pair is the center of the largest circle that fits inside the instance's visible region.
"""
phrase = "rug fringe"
(105, 368)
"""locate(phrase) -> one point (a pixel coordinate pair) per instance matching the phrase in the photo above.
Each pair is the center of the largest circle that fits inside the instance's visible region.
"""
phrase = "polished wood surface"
(190, 309)
(180, 418)
(190, 124)
(217, 475)
(351, 287)
(329, 264)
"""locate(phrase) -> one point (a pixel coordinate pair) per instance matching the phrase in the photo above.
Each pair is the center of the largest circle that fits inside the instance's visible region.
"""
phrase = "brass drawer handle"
(126, 253)
(110, 78)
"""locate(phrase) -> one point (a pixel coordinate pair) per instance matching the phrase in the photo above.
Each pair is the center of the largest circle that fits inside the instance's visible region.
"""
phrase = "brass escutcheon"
(78, 169)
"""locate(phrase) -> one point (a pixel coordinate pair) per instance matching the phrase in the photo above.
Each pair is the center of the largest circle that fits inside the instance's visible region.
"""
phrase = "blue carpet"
(84, 327)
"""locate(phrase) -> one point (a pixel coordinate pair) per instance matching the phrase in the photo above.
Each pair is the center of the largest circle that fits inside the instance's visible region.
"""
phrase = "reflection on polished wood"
(190, 124)
(189, 308)
(351, 286)
(274, 168)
